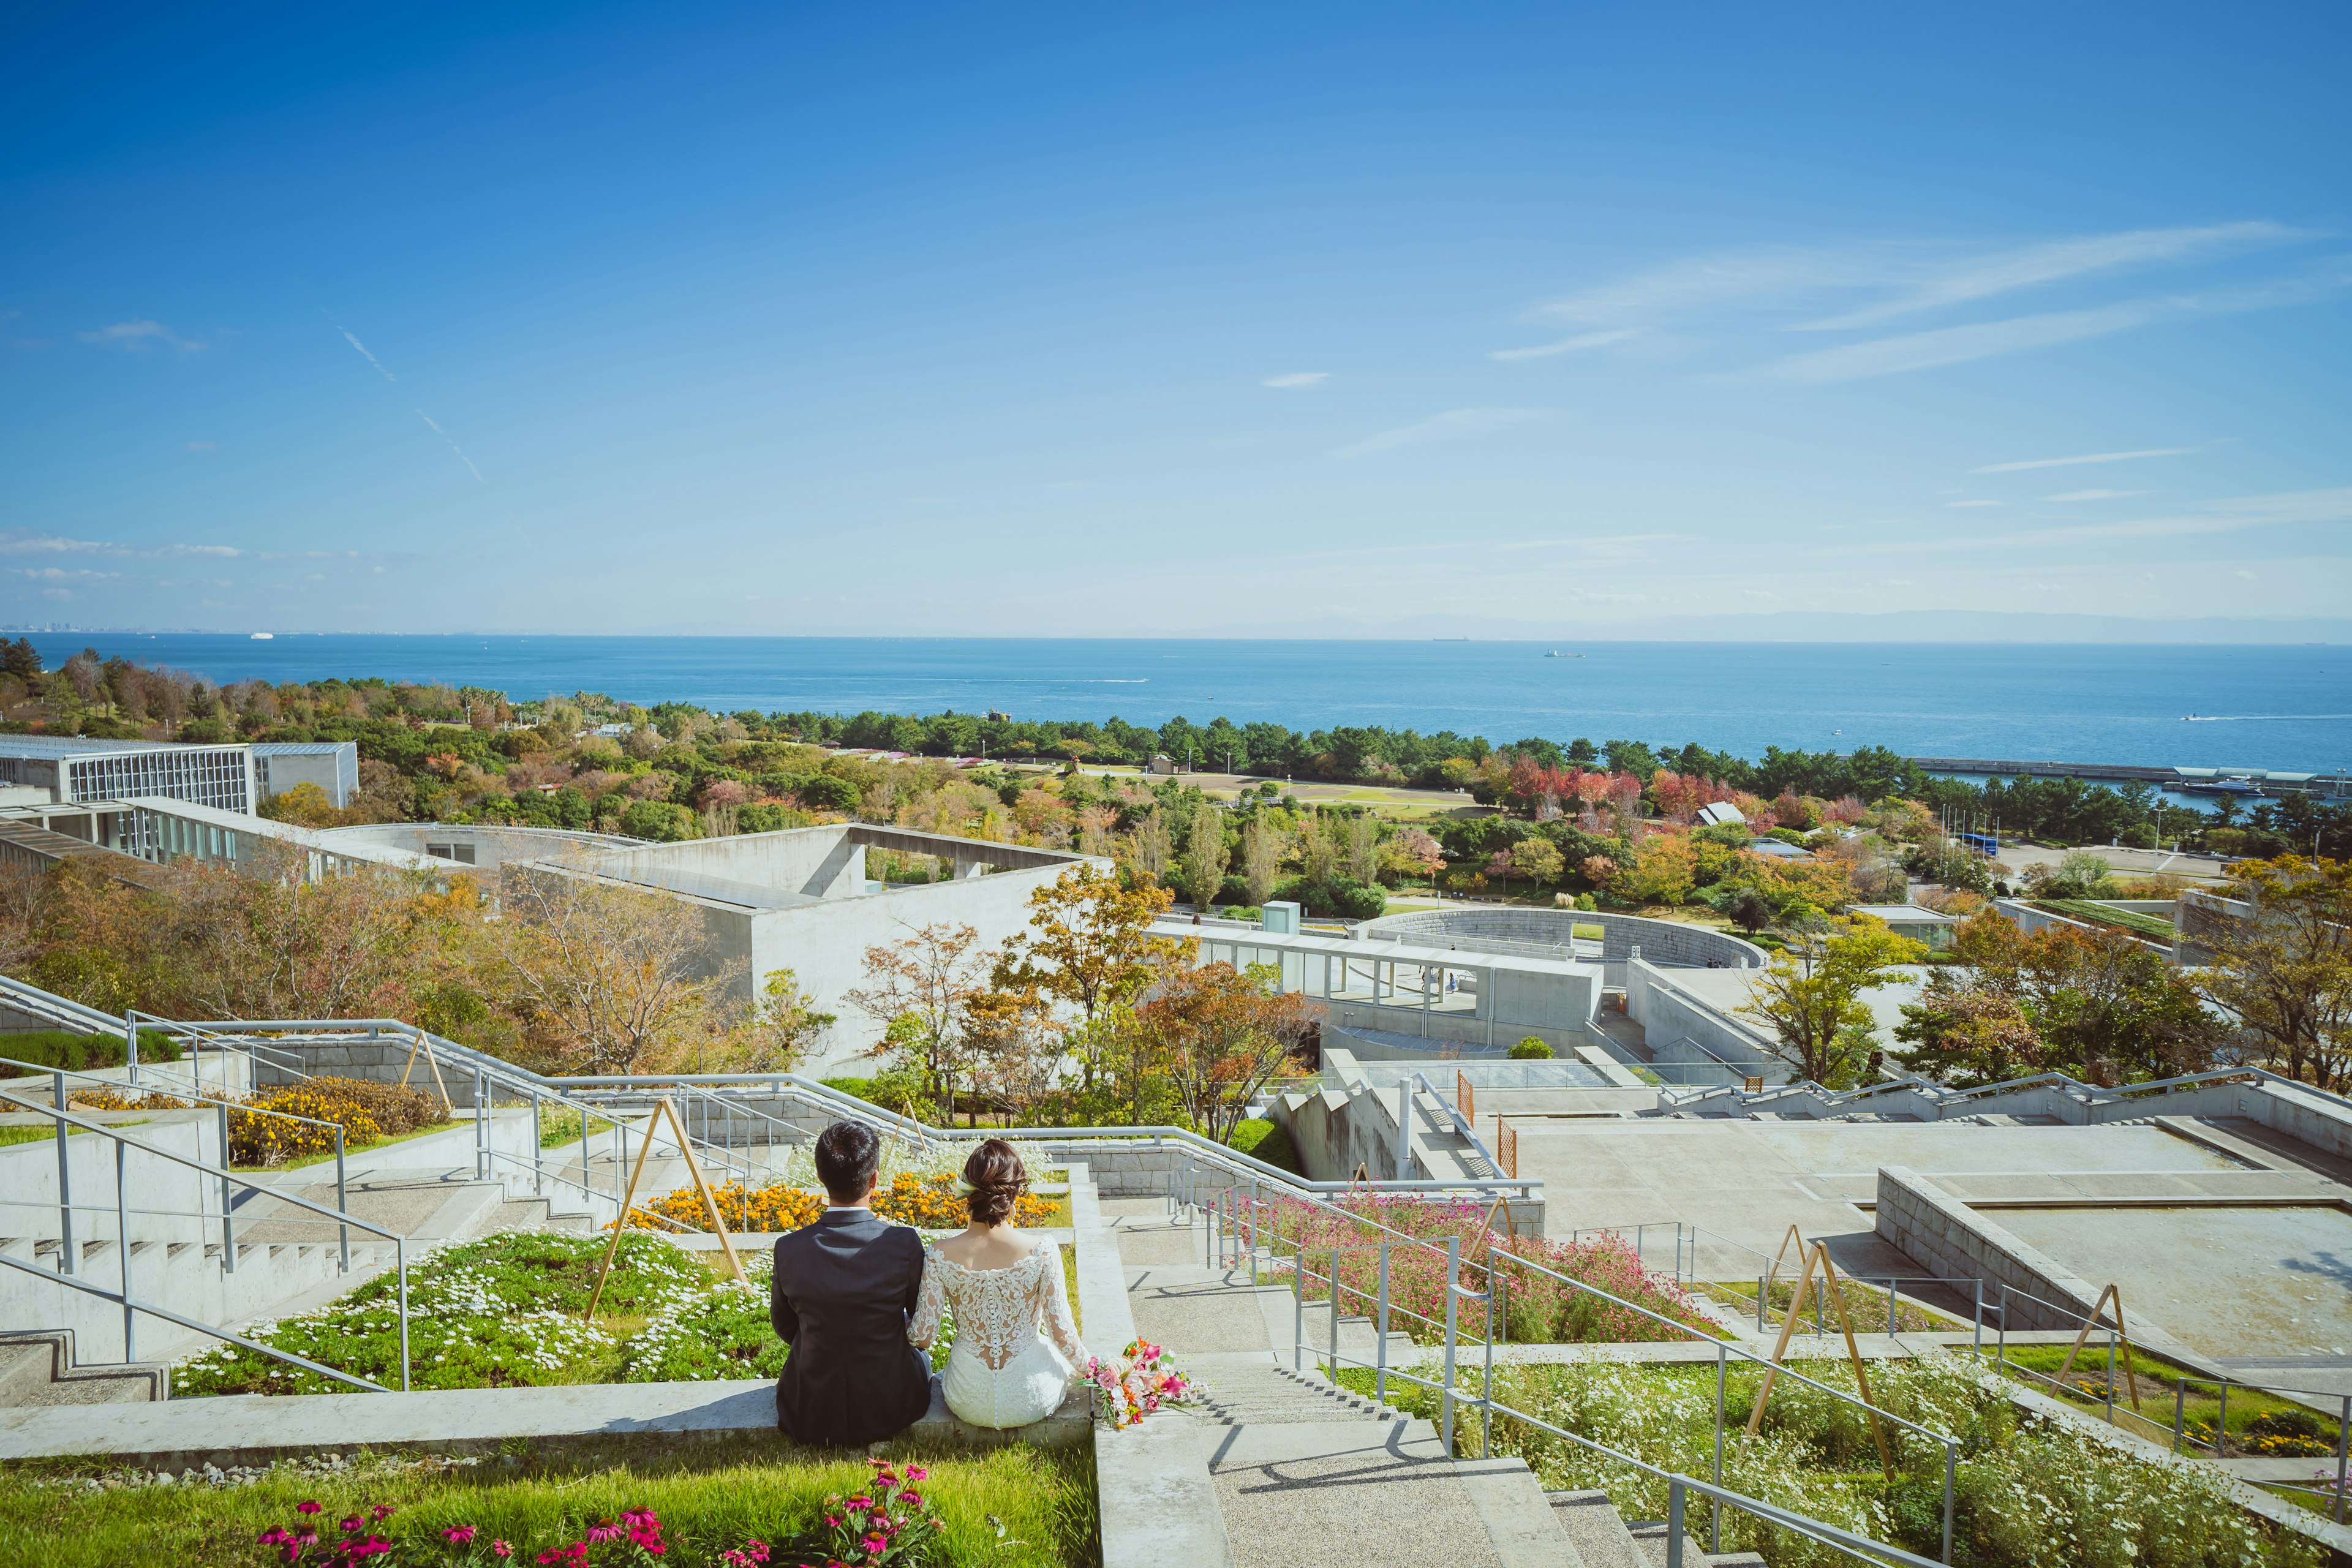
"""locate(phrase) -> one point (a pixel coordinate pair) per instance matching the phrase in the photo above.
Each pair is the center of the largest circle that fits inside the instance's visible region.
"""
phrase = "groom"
(844, 1288)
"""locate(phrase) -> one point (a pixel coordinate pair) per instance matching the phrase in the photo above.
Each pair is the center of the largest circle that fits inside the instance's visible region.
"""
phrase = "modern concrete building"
(332, 765)
(73, 769)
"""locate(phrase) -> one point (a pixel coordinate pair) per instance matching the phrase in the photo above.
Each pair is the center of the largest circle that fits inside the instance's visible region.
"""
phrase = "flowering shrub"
(483, 1315)
(364, 1109)
(115, 1100)
(1536, 1308)
(1143, 1380)
(929, 1203)
(352, 1541)
(2029, 1492)
(890, 1521)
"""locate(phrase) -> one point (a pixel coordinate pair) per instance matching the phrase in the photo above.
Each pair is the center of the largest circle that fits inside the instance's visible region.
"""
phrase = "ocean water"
(2268, 707)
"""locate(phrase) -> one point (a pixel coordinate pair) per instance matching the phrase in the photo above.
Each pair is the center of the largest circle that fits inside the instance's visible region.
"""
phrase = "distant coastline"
(2112, 703)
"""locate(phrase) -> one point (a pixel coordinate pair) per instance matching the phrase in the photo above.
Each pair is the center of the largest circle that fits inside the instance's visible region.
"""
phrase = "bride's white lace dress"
(1015, 1346)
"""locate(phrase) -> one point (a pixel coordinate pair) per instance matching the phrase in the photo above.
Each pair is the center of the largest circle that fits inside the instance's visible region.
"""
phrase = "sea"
(2279, 707)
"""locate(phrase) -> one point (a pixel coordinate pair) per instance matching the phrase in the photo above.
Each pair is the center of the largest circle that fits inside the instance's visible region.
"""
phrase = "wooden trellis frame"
(1815, 1254)
(421, 1041)
(2131, 1378)
(663, 1107)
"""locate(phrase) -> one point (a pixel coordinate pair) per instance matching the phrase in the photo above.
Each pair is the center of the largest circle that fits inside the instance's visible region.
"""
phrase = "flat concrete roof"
(1383, 952)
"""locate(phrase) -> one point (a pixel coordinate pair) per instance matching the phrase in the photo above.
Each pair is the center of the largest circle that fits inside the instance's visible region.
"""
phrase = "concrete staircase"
(37, 1367)
(1307, 1471)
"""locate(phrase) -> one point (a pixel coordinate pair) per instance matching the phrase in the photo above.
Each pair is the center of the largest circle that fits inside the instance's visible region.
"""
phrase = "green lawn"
(10, 1135)
(1012, 1508)
(1865, 1304)
(2261, 1425)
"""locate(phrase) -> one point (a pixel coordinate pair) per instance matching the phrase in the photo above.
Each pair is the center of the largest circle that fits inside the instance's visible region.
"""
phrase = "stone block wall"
(1950, 1240)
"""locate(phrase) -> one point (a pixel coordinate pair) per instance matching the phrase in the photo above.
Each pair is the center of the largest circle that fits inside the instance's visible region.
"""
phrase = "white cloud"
(1297, 380)
(1967, 503)
(1570, 345)
(200, 446)
(1984, 340)
(2086, 458)
(1445, 427)
(367, 356)
(143, 334)
(1980, 278)
(56, 544)
(453, 446)
(60, 574)
(2229, 516)
(2095, 495)
(2249, 576)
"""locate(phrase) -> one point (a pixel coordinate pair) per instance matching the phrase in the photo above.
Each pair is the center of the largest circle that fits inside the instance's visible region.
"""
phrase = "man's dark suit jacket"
(845, 1287)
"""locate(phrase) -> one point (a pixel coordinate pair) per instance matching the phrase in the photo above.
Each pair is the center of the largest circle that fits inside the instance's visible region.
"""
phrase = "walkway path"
(1306, 1472)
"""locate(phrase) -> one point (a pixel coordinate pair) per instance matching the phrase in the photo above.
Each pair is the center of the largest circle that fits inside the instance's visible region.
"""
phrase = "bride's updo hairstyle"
(995, 1175)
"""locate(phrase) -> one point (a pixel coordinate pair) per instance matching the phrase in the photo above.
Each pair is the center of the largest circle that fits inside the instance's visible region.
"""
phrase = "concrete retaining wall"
(1661, 941)
(1950, 1240)
(1669, 1014)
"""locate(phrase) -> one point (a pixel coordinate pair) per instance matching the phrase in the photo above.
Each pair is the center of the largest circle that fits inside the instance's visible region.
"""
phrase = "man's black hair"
(847, 1155)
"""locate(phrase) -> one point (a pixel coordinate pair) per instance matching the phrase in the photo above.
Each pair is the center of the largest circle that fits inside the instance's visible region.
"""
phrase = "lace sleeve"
(1058, 1326)
(930, 1301)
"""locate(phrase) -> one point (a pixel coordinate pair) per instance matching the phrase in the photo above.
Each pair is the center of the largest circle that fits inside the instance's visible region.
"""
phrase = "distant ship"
(1556, 654)
(264, 636)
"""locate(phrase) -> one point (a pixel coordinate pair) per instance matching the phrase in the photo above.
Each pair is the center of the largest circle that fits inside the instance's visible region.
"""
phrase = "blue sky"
(1028, 320)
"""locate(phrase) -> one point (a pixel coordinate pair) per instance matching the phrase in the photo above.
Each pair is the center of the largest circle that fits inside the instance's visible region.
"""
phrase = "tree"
(607, 979)
(2285, 969)
(1089, 946)
(1964, 1032)
(1413, 853)
(1536, 859)
(1810, 994)
(1261, 856)
(1361, 850)
(304, 806)
(922, 987)
(1217, 1035)
(784, 1026)
(1153, 848)
(21, 659)
(1748, 909)
(1017, 1046)
(1203, 869)
(1663, 868)
(1533, 1048)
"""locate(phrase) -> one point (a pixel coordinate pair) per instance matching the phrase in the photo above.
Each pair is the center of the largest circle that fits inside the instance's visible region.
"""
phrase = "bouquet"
(1142, 1380)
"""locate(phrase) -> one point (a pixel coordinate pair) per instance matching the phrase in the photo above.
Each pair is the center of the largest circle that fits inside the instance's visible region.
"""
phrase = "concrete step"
(38, 1368)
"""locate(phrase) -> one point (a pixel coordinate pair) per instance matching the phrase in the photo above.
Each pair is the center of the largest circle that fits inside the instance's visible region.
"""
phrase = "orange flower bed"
(930, 1202)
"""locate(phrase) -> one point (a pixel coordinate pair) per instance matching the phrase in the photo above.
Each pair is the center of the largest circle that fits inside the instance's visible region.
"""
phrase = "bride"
(1015, 1347)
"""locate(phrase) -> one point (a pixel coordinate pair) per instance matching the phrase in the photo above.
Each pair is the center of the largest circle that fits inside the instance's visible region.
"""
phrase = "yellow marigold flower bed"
(932, 1203)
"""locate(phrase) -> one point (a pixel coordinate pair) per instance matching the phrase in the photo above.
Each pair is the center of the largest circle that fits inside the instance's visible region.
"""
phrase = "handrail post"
(130, 1044)
(1715, 1521)
(123, 1240)
(2343, 1433)
(228, 1222)
(1452, 1308)
(1976, 1319)
(1335, 1316)
(538, 1181)
(343, 1199)
(1951, 1469)
(1674, 1522)
(68, 1262)
(1380, 1355)
(2179, 1409)
(2000, 1347)
(1298, 1311)
(2221, 1423)
(1761, 1305)
(400, 1255)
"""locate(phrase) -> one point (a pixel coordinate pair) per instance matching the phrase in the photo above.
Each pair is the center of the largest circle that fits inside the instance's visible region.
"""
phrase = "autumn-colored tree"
(784, 1026)
(1151, 848)
(1663, 870)
(1536, 859)
(1413, 853)
(1262, 844)
(1203, 871)
(2286, 970)
(1810, 994)
(1017, 1044)
(922, 986)
(1964, 1032)
(607, 979)
(1217, 1035)
(1089, 946)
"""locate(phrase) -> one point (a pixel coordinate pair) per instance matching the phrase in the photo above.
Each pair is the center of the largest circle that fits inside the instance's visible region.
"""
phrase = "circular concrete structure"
(1668, 943)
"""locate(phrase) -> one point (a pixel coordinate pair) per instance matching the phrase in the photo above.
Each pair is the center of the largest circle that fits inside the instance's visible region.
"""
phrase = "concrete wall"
(1669, 1014)
(492, 846)
(815, 862)
(1661, 941)
(1950, 1240)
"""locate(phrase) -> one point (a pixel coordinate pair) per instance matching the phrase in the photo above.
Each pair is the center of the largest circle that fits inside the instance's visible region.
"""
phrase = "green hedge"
(2096, 913)
(80, 1053)
(1268, 1142)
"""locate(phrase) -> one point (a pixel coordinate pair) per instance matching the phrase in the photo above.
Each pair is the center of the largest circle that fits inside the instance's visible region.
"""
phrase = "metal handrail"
(1461, 1124)
(69, 1272)
(1489, 1406)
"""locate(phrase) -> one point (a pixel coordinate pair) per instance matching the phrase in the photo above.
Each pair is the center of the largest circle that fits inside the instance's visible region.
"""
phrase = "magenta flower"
(380, 1512)
(916, 1473)
(463, 1534)
(306, 1508)
(604, 1530)
(500, 1549)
